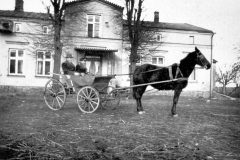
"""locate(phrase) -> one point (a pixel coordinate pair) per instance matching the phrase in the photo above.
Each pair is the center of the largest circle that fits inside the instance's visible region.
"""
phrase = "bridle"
(200, 57)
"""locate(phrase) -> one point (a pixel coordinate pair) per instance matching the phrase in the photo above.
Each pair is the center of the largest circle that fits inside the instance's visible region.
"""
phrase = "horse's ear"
(196, 49)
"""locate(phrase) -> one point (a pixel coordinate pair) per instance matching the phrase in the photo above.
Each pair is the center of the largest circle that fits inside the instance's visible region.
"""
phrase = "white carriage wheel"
(54, 94)
(88, 99)
(111, 99)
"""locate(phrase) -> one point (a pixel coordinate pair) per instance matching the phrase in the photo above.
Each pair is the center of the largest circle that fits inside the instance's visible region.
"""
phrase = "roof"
(104, 1)
(175, 26)
(19, 14)
(95, 49)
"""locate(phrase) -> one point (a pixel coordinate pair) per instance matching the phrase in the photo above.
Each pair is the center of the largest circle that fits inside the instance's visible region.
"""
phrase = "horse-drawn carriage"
(89, 92)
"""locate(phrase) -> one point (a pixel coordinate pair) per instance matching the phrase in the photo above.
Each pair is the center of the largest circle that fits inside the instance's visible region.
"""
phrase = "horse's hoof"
(175, 115)
(141, 112)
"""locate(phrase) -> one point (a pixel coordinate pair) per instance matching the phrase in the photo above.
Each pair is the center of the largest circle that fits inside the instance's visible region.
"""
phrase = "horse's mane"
(189, 57)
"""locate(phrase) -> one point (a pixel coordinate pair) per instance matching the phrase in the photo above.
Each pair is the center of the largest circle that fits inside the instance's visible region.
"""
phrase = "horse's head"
(201, 60)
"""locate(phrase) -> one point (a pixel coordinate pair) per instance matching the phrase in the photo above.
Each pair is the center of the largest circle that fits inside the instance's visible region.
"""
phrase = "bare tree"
(228, 76)
(57, 19)
(141, 35)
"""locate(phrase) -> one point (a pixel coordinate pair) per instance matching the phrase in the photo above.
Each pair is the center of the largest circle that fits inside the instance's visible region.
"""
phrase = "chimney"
(19, 5)
(156, 16)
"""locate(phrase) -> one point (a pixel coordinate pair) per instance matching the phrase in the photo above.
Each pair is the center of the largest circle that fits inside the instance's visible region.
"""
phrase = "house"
(93, 29)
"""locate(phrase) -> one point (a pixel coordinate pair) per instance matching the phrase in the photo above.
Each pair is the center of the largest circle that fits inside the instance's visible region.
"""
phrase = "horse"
(149, 73)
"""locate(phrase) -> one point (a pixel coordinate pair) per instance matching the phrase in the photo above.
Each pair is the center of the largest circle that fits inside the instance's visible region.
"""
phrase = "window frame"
(93, 25)
(157, 62)
(16, 63)
(192, 40)
(44, 60)
(47, 29)
(158, 34)
(19, 27)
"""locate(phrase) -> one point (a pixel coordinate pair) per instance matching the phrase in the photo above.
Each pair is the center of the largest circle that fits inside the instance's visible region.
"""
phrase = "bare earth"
(203, 130)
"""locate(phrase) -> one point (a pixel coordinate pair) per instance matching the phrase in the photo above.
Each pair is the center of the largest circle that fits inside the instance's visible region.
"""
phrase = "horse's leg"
(177, 93)
(137, 94)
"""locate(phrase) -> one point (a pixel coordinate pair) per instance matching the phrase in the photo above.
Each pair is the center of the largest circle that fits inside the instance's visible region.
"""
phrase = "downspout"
(211, 70)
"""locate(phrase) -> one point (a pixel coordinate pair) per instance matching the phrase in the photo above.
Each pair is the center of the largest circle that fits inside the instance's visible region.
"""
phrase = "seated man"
(81, 66)
(68, 67)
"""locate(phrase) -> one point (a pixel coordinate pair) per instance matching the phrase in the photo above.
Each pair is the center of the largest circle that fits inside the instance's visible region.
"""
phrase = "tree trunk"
(133, 60)
(58, 50)
(224, 89)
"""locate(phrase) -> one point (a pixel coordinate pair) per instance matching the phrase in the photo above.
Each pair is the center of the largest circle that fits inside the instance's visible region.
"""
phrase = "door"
(93, 64)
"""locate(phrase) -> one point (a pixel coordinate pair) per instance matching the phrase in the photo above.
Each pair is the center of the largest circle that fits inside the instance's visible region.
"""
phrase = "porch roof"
(95, 49)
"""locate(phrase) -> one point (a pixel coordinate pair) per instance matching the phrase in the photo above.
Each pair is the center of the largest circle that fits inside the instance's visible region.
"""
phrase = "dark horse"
(148, 73)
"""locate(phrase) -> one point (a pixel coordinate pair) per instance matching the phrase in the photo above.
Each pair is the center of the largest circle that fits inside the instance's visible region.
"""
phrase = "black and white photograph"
(119, 80)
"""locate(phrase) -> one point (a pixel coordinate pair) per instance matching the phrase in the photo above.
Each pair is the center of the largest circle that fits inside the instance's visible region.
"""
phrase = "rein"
(178, 71)
(158, 82)
(199, 57)
(138, 73)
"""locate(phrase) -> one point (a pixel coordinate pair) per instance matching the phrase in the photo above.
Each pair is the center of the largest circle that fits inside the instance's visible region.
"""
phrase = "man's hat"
(82, 59)
(69, 55)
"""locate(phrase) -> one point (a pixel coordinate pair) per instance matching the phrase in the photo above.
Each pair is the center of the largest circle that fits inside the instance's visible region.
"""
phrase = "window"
(160, 61)
(191, 41)
(93, 25)
(43, 63)
(18, 27)
(16, 61)
(45, 30)
(158, 37)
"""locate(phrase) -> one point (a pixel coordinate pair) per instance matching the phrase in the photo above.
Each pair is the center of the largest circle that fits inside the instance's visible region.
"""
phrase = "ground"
(204, 129)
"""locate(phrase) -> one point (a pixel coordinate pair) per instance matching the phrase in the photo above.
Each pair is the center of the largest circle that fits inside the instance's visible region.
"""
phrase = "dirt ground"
(203, 130)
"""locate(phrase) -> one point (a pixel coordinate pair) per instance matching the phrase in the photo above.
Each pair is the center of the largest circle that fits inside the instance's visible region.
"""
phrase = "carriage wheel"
(111, 99)
(54, 94)
(88, 99)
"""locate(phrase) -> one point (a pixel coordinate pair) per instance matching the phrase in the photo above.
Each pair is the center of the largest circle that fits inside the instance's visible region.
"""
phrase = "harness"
(200, 57)
(177, 72)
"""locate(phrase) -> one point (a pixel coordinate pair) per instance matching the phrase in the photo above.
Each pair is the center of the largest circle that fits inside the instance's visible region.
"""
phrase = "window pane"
(47, 55)
(159, 37)
(18, 27)
(154, 60)
(20, 66)
(40, 67)
(13, 54)
(90, 18)
(45, 30)
(96, 30)
(47, 68)
(12, 66)
(160, 60)
(40, 55)
(20, 53)
(97, 19)
(90, 30)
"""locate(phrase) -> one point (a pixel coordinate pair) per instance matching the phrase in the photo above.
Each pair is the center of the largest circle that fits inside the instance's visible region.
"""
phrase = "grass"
(203, 130)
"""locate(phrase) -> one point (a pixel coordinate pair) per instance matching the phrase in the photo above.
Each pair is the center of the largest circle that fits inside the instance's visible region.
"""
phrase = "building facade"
(93, 29)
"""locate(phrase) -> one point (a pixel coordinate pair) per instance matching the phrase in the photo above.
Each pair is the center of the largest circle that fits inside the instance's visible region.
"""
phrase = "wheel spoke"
(81, 96)
(94, 102)
(58, 101)
(84, 94)
(58, 98)
(50, 90)
(90, 94)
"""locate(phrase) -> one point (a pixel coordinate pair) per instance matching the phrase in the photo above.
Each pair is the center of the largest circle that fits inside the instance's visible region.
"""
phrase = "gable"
(104, 2)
